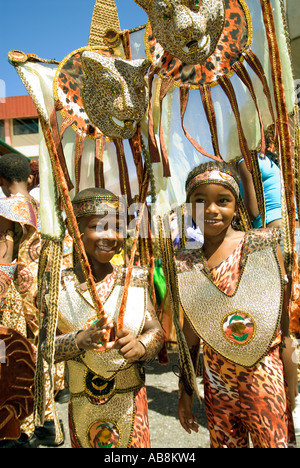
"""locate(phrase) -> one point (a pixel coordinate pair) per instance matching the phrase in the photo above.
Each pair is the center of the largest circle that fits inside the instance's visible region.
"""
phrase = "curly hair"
(15, 167)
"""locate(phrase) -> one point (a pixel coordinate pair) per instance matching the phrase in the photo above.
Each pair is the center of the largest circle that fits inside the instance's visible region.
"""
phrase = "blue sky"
(51, 32)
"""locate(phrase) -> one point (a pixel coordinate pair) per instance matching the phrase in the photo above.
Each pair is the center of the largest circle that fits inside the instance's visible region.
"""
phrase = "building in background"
(19, 126)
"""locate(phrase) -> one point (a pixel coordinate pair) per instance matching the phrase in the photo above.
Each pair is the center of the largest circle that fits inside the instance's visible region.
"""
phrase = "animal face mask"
(187, 29)
(115, 96)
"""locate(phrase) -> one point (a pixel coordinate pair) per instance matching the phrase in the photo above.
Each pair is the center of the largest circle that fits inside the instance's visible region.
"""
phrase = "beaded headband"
(98, 205)
(213, 177)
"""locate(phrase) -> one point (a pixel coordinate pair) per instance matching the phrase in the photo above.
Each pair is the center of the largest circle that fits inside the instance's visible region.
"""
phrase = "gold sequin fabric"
(102, 94)
(188, 32)
(185, 57)
(241, 326)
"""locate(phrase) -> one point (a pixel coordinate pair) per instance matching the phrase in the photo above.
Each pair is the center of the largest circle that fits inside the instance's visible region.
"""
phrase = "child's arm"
(288, 351)
(185, 404)
(250, 197)
(146, 346)
(6, 240)
(96, 336)
(71, 345)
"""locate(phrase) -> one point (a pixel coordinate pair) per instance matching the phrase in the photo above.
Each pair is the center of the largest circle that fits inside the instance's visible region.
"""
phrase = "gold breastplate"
(103, 384)
(240, 327)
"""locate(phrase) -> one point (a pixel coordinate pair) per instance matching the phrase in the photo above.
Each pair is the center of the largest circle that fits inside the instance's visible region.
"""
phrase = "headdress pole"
(104, 21)
(105, 18)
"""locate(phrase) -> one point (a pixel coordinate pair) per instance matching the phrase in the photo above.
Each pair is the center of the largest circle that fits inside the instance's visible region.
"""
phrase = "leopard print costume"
(242, 401)
(141, 436)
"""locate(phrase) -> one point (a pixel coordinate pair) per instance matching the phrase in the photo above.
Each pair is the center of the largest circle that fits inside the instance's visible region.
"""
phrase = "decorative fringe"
(79, 144)
(136, 148)
(123, 171)
(283, 128)
(227, 87)
(244, 76)
(51, 255)
(55, 273)
(256, 66)
(125, 38)
(184, 96)
(40, 396)
(99, 150)
(211, 117)
(66, 123)
(153, 149)
(165, 86)
(244, 216)
(59, 148)
(133, 250)
(149, 169)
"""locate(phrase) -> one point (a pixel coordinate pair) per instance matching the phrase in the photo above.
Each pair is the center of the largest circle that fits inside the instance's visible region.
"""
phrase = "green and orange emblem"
(238, 327)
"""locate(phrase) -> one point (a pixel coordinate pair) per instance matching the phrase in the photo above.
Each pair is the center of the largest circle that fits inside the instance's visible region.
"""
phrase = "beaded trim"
(211, 177)
(98, 205)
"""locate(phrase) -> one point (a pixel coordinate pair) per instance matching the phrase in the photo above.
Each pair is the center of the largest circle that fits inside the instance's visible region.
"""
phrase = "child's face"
(219, 207)
(102, 236)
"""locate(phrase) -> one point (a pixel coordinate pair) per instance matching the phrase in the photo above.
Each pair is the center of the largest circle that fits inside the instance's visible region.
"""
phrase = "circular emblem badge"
(238, 327)
(103, 435)
(17, 56)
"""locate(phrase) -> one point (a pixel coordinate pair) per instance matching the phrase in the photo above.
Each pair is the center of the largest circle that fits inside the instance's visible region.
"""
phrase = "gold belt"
(103, 410)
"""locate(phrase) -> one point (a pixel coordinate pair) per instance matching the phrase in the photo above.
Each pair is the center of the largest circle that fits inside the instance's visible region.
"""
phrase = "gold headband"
(213, 176)
(98, 205)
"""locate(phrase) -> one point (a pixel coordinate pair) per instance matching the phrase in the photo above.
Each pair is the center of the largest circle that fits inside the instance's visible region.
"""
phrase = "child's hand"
(96, 336)
(185, 413)
(129, 346)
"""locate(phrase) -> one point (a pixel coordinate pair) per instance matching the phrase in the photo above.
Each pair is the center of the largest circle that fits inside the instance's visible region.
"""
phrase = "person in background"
(19, 255)
(271, 180)
(34, 188)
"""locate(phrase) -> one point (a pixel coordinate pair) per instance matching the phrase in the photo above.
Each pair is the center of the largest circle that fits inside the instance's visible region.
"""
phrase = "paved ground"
(165, 428)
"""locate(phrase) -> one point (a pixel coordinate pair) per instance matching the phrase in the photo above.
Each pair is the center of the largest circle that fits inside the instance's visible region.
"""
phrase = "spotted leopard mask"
(101, 95)
(115, 95)
(187, 29)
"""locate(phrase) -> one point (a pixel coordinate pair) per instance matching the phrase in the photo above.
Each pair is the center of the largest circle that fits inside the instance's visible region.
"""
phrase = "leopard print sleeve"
(260, 239)
(65, 345)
